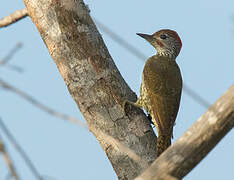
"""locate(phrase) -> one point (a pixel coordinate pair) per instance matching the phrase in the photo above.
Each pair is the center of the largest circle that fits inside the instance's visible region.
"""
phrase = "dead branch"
(39, 105)
(12, 18)
(20, 150)
(8, 160)
(9, 56)
(179, 159)
(5, 61)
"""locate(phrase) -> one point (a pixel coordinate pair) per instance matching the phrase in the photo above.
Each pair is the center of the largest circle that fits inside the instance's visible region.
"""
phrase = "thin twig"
(11, 54)
(196, 96)
(8, 160)
(20, 150)
(14, 17)
(4, 62)
(39, 105)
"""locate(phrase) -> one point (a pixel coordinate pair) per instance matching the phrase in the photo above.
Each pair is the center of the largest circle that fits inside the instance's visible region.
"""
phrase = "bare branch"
(126, 45)
(196, 97)
(4, 62)
(179, 159)
(20, 150)
(41, 106)
(8, 160)
(11, 54)
(12, 18)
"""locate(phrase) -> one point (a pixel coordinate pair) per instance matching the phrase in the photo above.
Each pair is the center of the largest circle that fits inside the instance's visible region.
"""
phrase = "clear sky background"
(64, 151)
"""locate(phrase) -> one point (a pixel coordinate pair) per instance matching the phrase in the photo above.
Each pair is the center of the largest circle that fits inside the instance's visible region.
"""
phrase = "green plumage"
(160, 95)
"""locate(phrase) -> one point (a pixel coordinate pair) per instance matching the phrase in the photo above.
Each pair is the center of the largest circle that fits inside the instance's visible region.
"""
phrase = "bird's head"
(167, 42)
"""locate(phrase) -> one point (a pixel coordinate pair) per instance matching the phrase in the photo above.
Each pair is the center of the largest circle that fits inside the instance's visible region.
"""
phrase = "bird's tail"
(163, 142)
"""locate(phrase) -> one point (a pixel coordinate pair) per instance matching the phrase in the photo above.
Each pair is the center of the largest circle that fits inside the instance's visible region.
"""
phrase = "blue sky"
(62, 150)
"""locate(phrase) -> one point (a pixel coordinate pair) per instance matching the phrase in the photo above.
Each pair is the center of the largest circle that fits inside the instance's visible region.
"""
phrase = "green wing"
(163, 82)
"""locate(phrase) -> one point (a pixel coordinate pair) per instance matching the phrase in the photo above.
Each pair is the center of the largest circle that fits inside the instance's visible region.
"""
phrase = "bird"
(161, 85)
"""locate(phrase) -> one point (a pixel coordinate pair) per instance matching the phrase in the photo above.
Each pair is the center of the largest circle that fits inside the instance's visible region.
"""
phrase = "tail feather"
(163, 142)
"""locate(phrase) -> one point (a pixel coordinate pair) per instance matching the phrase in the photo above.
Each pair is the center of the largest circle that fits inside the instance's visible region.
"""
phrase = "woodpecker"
(161, 85)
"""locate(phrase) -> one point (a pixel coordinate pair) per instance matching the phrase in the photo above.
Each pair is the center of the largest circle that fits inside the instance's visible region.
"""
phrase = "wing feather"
(163, 83)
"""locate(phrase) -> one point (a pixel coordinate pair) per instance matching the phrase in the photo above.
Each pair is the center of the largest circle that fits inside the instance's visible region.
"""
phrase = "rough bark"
(179, 159)
(94, 82)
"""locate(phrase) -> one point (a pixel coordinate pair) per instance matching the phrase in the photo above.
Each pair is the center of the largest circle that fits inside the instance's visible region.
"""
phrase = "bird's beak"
(147, 37)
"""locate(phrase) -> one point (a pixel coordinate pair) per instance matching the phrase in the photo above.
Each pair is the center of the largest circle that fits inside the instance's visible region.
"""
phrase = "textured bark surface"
(94, 82)
(179, 159)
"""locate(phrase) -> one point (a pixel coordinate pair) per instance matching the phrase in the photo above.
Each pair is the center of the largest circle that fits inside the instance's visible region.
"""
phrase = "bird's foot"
(128, 106)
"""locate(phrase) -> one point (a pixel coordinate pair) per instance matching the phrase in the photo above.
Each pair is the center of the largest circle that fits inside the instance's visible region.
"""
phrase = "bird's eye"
(163, 36)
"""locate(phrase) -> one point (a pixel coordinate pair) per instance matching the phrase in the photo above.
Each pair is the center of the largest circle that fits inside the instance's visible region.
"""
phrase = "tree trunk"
(95, 83)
